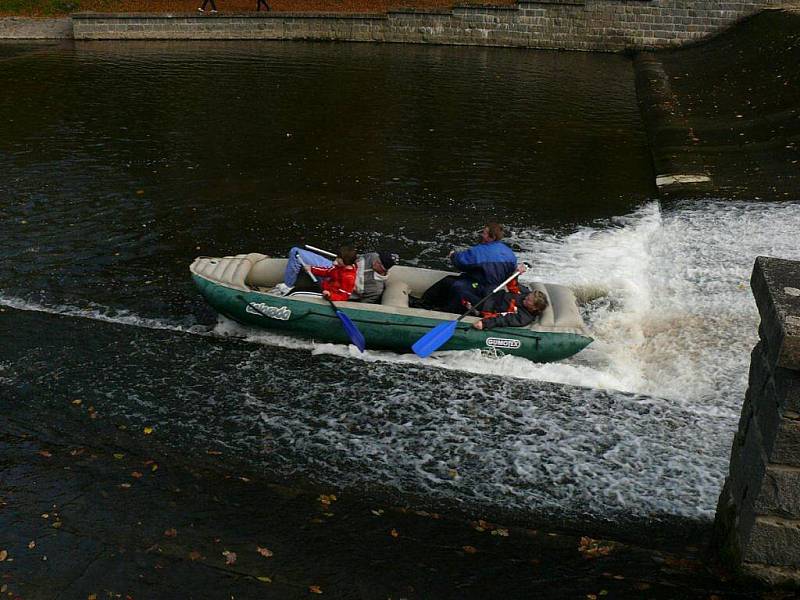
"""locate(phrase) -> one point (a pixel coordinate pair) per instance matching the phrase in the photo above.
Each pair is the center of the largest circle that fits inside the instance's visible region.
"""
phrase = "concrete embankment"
(23, 28)
(594, 25)
(723, 117)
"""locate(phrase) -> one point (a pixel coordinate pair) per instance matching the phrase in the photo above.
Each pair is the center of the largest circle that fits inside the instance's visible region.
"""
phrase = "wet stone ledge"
(602, 25)
(758, 515)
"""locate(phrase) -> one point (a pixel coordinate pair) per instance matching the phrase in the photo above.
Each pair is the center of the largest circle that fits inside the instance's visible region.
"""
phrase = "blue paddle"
(356, 337)
(438, 336)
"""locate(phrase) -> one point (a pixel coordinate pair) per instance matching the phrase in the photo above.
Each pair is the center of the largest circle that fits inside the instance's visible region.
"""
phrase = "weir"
(591, 25)
(758, 516)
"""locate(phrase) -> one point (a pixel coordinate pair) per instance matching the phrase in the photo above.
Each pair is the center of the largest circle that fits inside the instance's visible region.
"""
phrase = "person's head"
(384, 262)
(347, 254)
(535, 302)
(492, 232)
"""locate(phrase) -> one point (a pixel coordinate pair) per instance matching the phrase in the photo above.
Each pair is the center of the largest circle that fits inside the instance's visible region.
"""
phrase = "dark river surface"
(120, 162)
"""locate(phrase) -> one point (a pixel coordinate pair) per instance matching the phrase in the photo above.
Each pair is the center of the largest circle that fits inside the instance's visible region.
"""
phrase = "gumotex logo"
(281, 313)
(503, 343)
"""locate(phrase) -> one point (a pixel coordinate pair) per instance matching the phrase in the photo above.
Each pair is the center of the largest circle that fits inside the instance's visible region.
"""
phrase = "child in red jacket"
(338, 281)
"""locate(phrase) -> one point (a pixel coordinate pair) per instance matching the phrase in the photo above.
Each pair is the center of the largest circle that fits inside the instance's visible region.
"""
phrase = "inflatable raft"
(238, 287)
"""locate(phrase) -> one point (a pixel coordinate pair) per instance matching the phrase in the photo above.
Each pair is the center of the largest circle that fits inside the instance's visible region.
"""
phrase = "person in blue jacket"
(483, 267)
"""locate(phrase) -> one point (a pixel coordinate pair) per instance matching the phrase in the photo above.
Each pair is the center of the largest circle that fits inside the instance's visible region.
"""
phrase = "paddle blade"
(434, 339)
(356, 337)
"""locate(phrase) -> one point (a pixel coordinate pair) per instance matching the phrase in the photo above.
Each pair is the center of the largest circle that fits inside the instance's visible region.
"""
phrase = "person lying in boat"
(338, 281)
(507, 309)
(373, 269)
(482, 267)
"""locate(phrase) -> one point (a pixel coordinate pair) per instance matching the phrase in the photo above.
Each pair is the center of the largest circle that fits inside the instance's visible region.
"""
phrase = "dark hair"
(495, 230)
(348, 254)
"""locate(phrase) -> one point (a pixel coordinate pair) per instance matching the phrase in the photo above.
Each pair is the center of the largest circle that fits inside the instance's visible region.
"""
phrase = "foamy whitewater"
(639, 424)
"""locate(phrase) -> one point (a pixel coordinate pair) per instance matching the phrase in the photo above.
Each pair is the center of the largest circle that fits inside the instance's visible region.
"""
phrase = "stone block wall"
(596, 25)
(758, 516)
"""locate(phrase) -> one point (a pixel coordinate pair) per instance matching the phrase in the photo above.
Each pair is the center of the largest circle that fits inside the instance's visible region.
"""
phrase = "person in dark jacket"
(506, 309)
(483, 267)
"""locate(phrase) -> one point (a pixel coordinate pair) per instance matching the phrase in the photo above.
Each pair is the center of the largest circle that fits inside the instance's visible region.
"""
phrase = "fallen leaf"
(213, 452)
(378, 512)
(77, 401)
(125, 486)
(591, 548)
(245, 479)
(136, 474)
(92, 597)
(171, 532)
(3, 555)
(148, 430)
(591, 597)
(119, 455)
(194, 555)
(31, 545)
(315, 589)
(469, 549)
(45, 453)
(266, 553)
(327, 499)
(230, 557)
(77, 451)
(394, 533)
(57, 524)
(265, 579)
(500, 531)
(154, 467)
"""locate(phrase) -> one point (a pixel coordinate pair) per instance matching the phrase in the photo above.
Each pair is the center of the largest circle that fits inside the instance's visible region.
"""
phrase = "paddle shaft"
(320, 251)
(497, 289)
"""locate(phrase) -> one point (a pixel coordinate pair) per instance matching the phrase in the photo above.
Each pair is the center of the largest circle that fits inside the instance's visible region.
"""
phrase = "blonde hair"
(539, 300)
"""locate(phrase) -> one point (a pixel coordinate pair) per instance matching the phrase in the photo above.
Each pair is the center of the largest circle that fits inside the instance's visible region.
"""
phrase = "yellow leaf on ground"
(77, 401)
(3, 555)
(119, 455)
(154, 467)
(148, 430)
(266, 553)
(500, 531)
(265, 579)
(92, 597)
(315, 589)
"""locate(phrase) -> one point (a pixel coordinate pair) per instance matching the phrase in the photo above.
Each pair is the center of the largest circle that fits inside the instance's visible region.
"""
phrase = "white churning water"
(666, 294)
(639, 424)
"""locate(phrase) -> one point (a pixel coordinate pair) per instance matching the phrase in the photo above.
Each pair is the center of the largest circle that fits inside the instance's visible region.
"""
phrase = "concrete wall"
(600, 25)
(758, 516)
(22, 28)
(605, 25)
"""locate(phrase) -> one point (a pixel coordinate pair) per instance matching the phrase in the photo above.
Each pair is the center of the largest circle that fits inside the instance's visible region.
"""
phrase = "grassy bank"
(53, 8)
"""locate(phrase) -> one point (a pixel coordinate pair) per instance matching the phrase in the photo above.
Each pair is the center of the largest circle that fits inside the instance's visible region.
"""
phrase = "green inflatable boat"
(238, 287)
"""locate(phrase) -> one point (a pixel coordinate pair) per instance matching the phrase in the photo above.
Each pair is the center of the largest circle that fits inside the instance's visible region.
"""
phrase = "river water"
(120, 162)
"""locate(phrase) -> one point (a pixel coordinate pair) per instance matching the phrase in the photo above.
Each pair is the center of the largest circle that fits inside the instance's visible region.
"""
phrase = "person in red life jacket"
(507, 309)
(338, 280)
